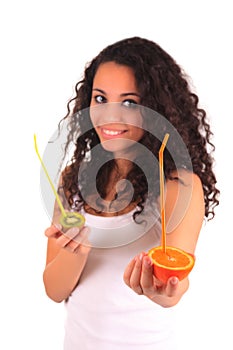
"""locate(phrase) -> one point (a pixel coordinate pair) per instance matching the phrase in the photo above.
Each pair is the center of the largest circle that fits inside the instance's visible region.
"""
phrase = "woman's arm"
(184, 210)
(66, 258)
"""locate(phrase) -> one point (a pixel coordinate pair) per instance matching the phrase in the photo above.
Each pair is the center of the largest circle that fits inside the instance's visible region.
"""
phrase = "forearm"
(62, 274)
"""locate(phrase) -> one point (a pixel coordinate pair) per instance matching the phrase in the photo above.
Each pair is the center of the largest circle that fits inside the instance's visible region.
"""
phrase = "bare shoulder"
(187, 178)
(184, 185)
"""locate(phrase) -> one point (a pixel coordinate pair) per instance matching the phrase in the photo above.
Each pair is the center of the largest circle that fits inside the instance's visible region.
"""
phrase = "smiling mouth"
(112, 133)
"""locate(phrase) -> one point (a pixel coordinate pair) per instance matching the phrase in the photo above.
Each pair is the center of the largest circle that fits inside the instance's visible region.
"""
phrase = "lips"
(111, 133)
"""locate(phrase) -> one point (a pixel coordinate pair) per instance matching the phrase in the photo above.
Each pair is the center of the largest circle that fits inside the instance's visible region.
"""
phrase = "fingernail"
(147, 262)
(174, 281)
(141, 256)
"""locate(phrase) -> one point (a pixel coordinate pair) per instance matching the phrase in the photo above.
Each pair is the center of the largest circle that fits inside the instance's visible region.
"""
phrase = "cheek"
(137, 133)
(132, 118)
(100, 114)
(94, 116)
(138, 121)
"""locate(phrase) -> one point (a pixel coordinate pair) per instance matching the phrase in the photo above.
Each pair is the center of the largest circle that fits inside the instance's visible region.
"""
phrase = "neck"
(123, 166)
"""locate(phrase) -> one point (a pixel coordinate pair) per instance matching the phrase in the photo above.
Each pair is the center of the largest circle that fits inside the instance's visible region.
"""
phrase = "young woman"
(131, 94)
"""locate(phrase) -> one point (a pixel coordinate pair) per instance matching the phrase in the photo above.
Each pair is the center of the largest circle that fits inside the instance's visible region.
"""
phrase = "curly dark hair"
(164, 88)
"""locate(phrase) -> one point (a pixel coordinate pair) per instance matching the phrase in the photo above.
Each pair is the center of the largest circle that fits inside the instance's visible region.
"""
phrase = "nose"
(107, 113)
(112, 112)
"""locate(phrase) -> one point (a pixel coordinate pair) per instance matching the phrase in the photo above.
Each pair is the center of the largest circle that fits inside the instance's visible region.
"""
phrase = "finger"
(147, 280)
(64, 239)
(172, 286)
(80, 240)
(72, 233)
(128, 272)
(82, 236)
(136, 276)
(53, 231)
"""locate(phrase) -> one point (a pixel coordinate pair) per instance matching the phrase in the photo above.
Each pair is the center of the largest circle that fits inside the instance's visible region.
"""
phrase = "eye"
(129, 103)
(99, 99)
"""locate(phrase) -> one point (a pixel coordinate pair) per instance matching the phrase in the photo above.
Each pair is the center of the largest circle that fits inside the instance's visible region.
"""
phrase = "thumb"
(172, 285)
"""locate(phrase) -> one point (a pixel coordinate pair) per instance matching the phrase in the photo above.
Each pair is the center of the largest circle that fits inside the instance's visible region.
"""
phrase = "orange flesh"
(174, 258)
(175, 262)
(171, 258)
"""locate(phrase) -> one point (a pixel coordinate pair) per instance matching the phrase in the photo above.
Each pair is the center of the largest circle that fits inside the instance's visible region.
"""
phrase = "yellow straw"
(162, 200)
(49, 179)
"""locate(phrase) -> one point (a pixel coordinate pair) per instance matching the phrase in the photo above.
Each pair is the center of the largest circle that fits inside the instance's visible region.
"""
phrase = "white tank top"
(102, 312)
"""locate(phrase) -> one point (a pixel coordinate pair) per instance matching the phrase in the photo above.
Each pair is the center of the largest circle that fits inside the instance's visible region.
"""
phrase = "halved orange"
(175, 262)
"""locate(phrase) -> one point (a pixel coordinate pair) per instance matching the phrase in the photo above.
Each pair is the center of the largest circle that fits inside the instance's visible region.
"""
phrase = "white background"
(44, 47)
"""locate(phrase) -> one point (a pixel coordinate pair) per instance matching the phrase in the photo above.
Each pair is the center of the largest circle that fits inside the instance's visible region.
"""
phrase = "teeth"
(112, 132)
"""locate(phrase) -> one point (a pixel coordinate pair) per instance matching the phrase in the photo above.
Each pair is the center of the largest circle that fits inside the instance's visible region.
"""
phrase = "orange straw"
(162, 200)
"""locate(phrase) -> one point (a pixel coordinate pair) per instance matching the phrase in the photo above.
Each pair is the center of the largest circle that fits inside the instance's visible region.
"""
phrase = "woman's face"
(114, 107)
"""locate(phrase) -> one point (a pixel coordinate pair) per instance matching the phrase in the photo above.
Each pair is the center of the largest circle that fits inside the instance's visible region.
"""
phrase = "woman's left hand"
(139, 276)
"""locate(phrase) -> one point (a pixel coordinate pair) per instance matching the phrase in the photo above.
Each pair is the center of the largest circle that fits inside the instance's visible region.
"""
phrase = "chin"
(118, 145)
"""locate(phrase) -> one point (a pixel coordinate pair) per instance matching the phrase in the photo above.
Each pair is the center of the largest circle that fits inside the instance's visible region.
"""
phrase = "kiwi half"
(72, 219)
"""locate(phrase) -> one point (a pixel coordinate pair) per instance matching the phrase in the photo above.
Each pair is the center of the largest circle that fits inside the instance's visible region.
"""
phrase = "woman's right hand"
(74, 240)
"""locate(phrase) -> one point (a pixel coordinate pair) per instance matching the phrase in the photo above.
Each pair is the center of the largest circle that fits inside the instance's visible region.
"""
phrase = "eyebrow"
(122, 95)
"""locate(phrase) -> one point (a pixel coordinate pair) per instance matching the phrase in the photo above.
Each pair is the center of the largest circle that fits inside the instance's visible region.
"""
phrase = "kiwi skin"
(72, 219)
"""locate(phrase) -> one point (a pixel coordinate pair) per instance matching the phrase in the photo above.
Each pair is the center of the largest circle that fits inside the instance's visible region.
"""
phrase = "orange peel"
(175, 262)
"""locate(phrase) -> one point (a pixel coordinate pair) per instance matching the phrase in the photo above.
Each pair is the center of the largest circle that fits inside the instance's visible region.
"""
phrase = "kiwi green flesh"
(72, 220)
